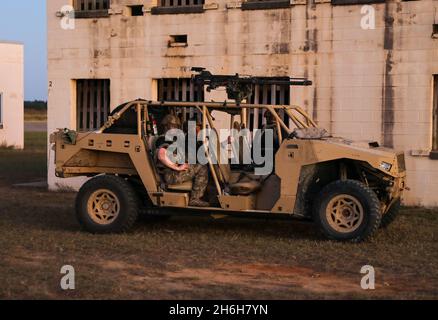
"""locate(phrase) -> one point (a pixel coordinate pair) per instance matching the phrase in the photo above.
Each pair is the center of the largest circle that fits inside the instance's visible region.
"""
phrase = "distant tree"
(35, 105)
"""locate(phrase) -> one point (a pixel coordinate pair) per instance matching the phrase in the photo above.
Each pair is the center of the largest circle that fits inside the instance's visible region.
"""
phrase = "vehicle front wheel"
(347, 211)
(107, 204)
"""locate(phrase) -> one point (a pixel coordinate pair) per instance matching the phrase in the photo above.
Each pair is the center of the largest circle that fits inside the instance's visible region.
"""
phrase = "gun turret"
(239, 87)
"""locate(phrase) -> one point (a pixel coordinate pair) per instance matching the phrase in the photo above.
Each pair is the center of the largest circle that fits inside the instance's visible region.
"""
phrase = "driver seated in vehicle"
(174, 173)
(271, 124)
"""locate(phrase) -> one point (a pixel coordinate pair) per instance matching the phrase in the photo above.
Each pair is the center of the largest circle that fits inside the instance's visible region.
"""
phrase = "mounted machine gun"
(240, 88)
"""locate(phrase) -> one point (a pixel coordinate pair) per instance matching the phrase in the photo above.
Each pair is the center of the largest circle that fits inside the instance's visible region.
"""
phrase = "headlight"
(386, 166)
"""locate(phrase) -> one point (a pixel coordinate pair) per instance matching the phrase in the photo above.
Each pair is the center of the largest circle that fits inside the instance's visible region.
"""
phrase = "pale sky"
(25, 21)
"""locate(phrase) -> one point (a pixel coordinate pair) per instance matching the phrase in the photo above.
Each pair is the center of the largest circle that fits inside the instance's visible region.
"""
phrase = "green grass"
(26, 165)
(35, 141)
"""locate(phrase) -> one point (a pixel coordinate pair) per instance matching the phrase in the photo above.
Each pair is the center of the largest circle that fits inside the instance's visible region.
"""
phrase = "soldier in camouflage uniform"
(178, 174)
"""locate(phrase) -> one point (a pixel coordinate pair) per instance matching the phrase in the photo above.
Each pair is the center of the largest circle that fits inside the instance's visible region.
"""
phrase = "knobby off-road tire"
(107, 204)
(391, 215)
(347, 211)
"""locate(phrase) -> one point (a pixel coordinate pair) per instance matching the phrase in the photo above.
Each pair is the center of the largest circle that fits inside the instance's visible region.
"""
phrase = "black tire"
(150, 213)
(369, 211)
(391, 215)
(120, 196)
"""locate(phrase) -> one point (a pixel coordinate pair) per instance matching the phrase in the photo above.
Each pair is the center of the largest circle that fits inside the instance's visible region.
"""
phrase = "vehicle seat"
(185, 187)
(245, 184)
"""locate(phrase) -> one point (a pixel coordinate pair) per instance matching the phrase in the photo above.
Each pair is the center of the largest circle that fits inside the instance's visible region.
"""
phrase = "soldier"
(174, 173)
(271, 124)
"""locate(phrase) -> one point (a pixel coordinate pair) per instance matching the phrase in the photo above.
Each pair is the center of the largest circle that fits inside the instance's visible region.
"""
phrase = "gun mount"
(240, 87)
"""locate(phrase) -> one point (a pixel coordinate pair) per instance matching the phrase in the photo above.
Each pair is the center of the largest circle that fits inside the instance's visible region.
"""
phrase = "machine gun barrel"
(286, 81)
(241, 87)
(207, 78)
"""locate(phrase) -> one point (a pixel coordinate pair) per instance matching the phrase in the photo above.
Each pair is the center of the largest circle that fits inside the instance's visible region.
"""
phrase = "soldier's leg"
(177, 177)
(198, 174)
(200, 183)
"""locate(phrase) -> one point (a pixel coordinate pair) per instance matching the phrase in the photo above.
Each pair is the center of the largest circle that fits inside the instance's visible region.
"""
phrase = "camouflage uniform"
(196, 173)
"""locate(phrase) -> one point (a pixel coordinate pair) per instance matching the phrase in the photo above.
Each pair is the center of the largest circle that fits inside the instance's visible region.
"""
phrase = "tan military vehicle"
(348, 189)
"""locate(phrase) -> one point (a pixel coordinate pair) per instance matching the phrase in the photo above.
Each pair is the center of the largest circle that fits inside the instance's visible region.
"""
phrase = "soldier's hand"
(184, 167)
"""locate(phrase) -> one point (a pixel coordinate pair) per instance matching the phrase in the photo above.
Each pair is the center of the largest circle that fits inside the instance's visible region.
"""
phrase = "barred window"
(184, 90)
(353, 2)
(265, 4)
(179, 6)
(91, 8)
(93, 103)
(268, 94)
(181, 3)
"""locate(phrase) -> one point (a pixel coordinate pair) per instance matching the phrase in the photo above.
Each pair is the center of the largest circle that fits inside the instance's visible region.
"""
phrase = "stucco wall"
(369, 84)
(11, 88)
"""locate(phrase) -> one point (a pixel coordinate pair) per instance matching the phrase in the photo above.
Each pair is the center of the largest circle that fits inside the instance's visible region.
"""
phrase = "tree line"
(35, 105)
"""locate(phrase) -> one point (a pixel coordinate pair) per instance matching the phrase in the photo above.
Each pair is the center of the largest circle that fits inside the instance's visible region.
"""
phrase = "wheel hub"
(344, 213)
(103, 207)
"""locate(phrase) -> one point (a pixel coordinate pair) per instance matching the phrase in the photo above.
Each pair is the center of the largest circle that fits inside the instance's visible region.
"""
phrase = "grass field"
(197, 258)
(27, 165)
(35, 115)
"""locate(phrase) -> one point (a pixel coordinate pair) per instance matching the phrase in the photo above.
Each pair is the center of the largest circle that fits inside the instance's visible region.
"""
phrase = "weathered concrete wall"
(369, 84)
(11, 89)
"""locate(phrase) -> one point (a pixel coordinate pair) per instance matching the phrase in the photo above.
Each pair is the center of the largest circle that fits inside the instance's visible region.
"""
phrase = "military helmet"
(171, 121)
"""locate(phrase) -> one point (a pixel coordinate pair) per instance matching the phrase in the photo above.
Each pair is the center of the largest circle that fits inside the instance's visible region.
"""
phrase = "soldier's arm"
(162, 156)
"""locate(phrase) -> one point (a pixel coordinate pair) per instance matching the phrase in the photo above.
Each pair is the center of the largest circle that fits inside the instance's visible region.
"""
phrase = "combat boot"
(198, 203)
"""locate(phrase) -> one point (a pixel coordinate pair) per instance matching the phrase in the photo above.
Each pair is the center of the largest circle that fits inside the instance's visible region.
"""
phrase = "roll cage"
(296, 114)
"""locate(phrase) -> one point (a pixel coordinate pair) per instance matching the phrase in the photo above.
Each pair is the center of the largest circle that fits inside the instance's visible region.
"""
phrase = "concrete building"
(374, 64)
(11, 95)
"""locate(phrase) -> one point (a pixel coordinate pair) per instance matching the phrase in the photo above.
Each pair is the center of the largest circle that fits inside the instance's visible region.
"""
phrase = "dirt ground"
(197, 258)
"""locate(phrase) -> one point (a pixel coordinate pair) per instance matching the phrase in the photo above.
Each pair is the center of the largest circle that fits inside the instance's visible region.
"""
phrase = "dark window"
(181, 90)
(91, 8)
(435, 113)
(178, 40)
(136, 11)
(93, 103)
(350, 2)
(265, 4)
(179, 6)
(268, 94)
(435, 30)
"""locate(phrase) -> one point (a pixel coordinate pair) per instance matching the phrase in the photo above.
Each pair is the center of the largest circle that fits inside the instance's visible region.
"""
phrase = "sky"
(25, 21)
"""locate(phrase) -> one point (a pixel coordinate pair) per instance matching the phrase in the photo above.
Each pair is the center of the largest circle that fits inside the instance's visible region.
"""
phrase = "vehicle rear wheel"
(392, 214)
(347, 211)
(107, 204)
